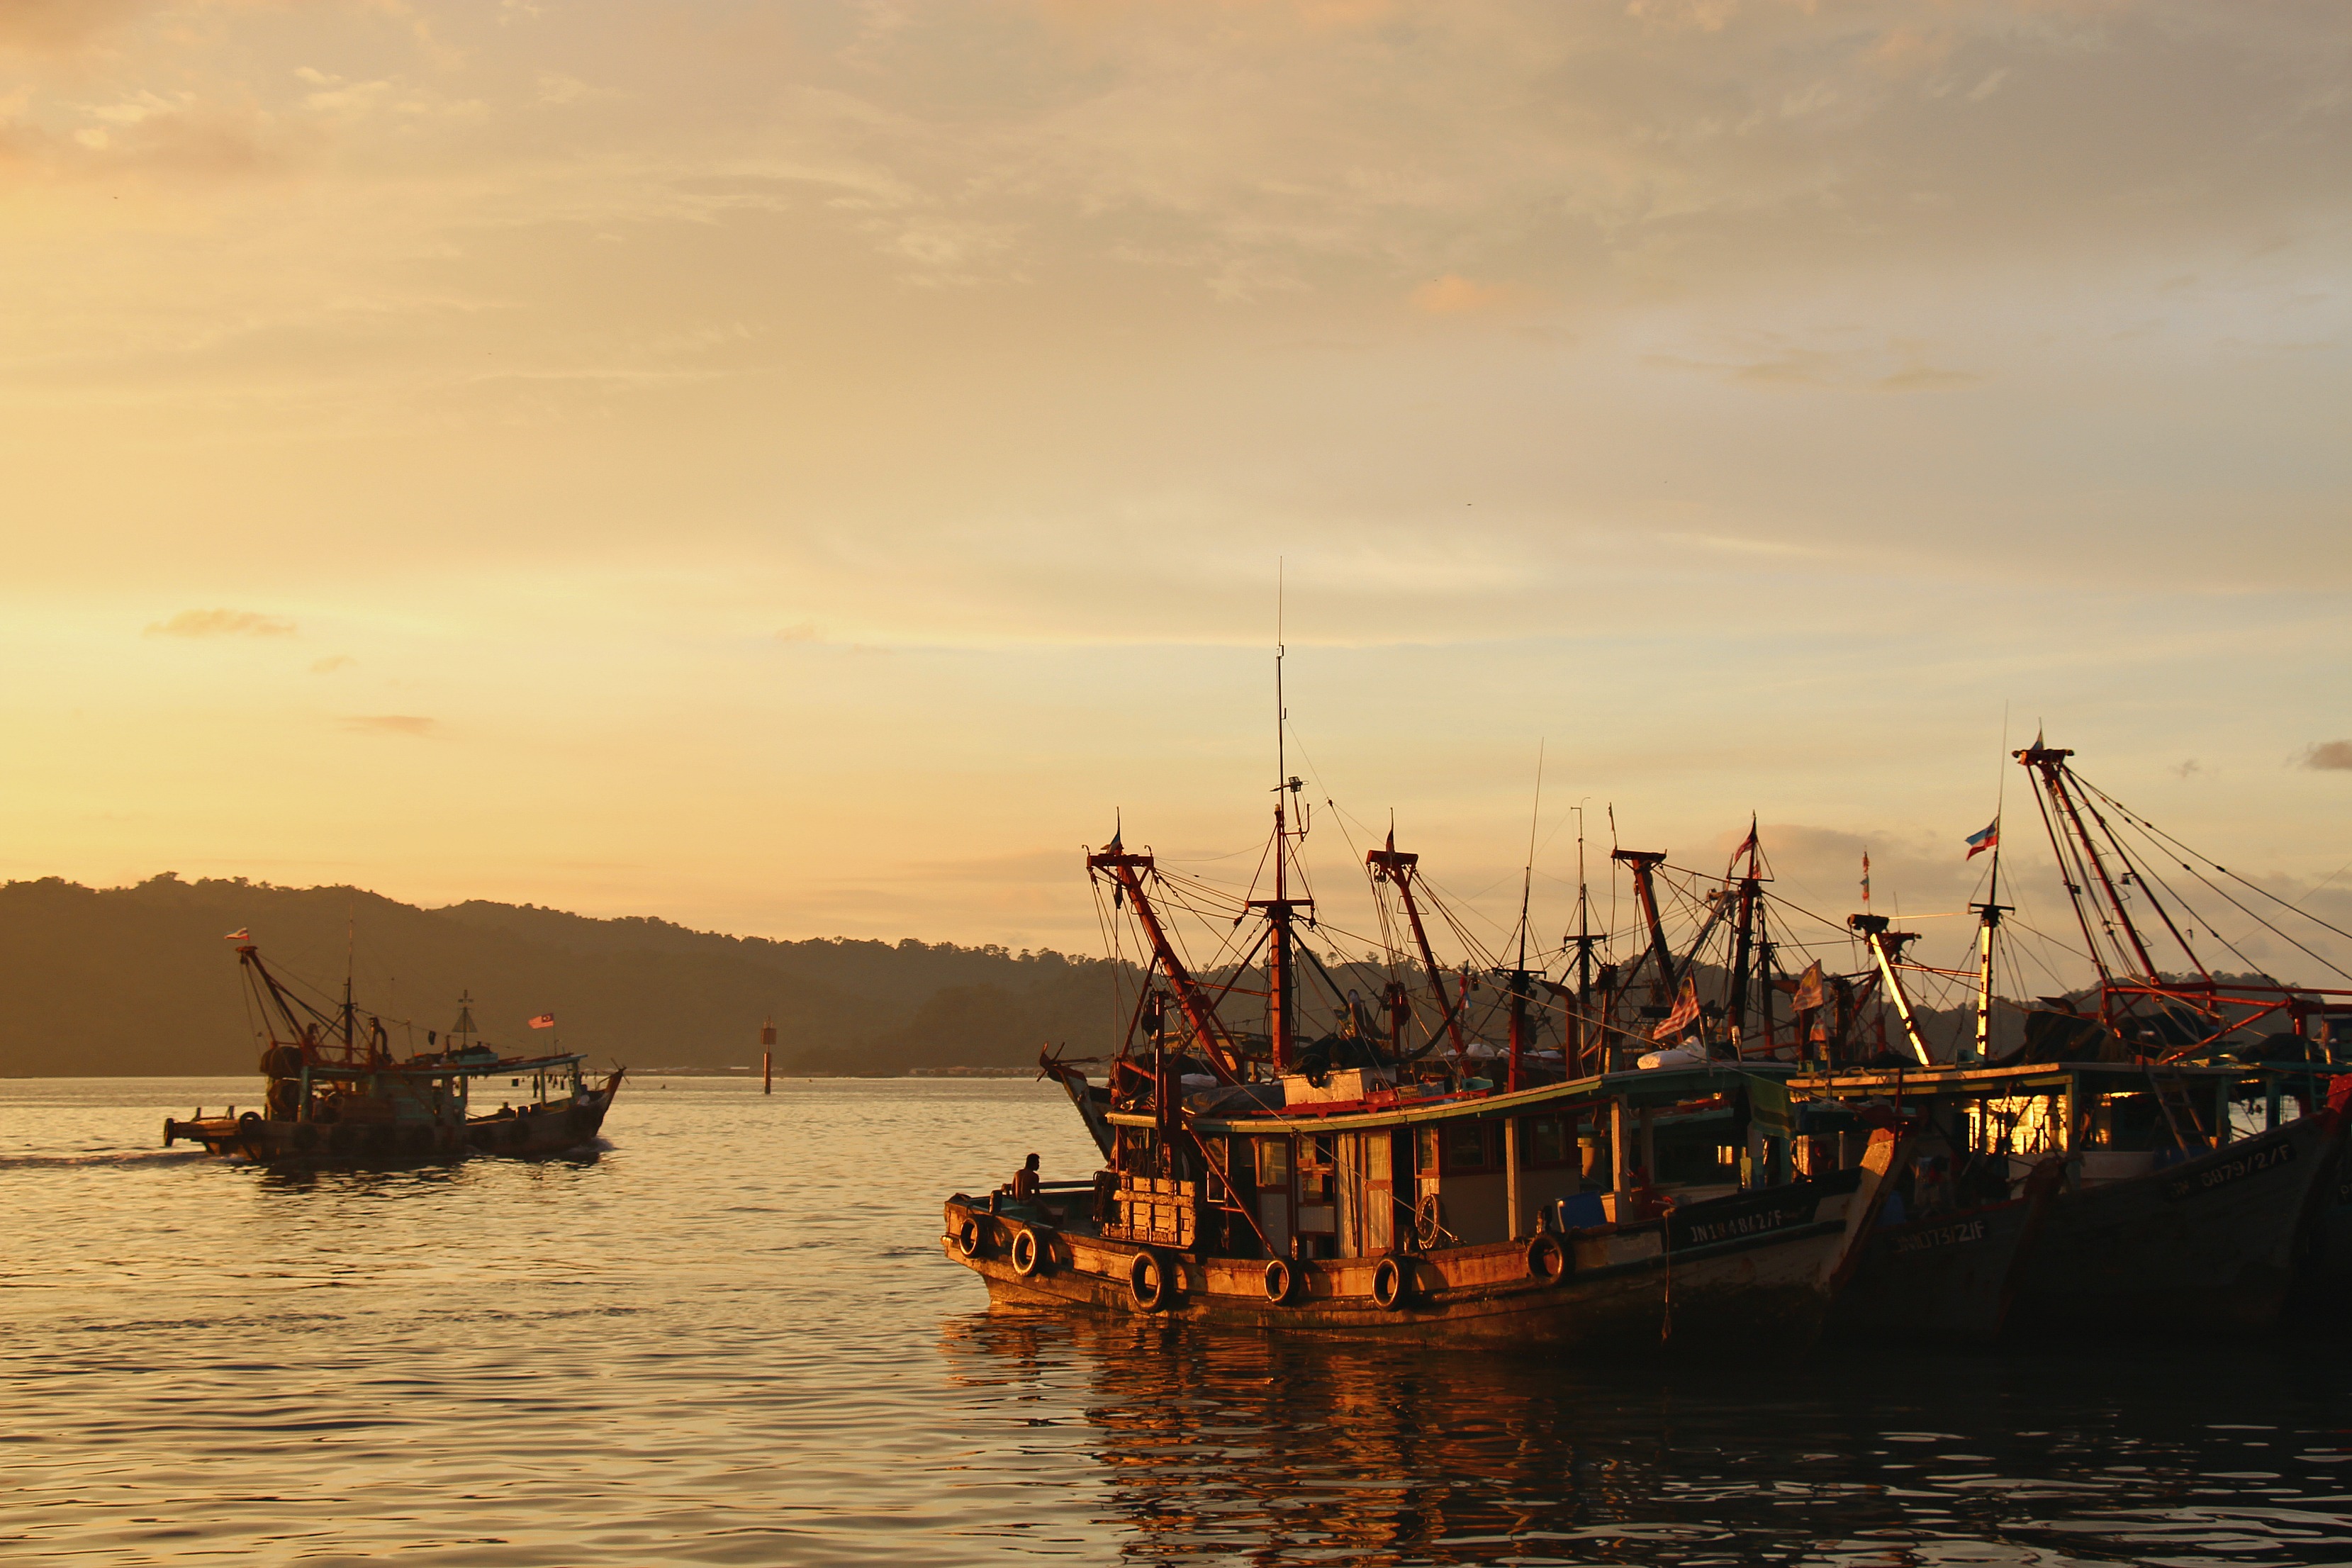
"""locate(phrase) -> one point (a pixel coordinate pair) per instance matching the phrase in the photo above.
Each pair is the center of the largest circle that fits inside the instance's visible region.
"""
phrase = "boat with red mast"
(2187, 1160)
(336, 1093)
(1401, 1174)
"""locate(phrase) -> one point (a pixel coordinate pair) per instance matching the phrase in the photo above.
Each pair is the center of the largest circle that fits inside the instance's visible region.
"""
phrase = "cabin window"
(1465, 1145)
(1424, 1151)
(1316, 1159)
(1547, 1141)
(1274, 1162)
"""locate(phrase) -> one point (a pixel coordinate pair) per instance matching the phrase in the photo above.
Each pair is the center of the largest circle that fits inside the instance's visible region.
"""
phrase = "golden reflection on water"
(1219, 1445)
(731, 1338)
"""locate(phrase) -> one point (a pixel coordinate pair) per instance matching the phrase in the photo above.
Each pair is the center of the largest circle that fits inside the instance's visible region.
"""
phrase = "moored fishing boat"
(1293, 1218)
(1580, 1188)
(335, 1093)
(2190, 1163)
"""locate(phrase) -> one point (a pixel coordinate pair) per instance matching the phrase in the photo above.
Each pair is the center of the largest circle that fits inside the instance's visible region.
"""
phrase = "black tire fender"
(972, 1238)
(1388, 1285)
(1547, 1260)
(1281, 1282)
(1148, 1281)
(1033, 1251)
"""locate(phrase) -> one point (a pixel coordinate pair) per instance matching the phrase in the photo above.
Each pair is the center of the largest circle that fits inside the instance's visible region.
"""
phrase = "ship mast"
(1282, 983)
(1988, 914)
(1735, 1020)
(1399, 868)
(1587, 1035)
(1886, 948)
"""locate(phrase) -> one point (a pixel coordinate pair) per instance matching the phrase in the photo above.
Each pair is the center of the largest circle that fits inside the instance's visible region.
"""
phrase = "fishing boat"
(2185, 1165)
(336, 1093)
(1572, 1184)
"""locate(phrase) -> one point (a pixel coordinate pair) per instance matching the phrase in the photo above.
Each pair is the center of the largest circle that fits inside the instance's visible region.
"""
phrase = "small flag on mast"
(1685, 1014)
(241, 934)
(1865, 876)
(1988, 839)
(544, 1020)
(1809, 987)
(1746, 847)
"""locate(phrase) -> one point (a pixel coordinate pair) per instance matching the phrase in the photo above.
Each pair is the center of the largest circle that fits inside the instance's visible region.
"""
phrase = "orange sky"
(801, 469)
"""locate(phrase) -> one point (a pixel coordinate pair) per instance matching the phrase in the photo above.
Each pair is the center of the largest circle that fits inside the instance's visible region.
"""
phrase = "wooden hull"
(1623, 1291)
(2210, 1243)
(550, 1130)
(2322, 1298)
(1952, 1277)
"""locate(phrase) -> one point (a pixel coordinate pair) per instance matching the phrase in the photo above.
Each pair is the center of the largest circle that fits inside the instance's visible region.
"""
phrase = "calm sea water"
(730, 1338)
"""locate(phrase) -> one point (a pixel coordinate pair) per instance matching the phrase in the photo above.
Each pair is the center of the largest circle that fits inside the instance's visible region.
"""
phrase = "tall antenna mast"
(1519, 971)
(1992, 909)
(1281, 1006)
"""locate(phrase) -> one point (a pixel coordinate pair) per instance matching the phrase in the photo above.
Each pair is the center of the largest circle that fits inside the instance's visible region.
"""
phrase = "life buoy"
(1146, 1281)
(1547, 1259)
(1388, 1285)
(1281, 1280)
(1033, 1251)
(972, 1238)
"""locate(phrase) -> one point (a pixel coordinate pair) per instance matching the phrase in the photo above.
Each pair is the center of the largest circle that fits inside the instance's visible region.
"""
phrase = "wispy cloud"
(2329, 756)
(331, 663)
(222, 624)
(392, 724)
(1453, 295)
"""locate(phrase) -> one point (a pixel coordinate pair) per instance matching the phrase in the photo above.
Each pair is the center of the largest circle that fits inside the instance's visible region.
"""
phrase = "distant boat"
(336, 1094)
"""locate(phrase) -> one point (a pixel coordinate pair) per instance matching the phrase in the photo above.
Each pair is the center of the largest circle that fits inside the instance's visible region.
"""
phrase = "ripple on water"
(728, 1336)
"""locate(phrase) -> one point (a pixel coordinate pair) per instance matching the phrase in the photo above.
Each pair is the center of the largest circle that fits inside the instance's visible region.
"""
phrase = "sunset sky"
(803, 469)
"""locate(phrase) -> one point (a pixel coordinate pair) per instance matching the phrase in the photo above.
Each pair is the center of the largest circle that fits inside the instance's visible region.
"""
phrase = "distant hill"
(138, 981)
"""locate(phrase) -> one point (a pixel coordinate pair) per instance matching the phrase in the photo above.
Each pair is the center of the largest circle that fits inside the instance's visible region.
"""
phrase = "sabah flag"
(1980, 842)
(241, 934)
(544, 1020)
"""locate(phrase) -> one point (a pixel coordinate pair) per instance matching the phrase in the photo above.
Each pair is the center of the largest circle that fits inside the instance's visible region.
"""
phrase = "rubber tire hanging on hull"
(1388, 1285)
(1148, 1281)
(972, 1238)
(1033, 1251)
(1281, 1280)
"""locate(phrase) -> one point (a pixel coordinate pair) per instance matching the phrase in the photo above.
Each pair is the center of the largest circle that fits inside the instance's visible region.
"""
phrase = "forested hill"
(139, 979)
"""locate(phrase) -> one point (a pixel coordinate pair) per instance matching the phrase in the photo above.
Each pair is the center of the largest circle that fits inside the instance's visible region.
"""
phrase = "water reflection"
(1220, 1446)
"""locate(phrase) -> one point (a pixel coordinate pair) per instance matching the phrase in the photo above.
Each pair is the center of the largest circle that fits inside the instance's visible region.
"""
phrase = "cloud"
(1925, 378)
(60, 26)
(392, 724)
(2329, 756)
(804, 631)
(331, 663)
(222, 624)
(1454, 294)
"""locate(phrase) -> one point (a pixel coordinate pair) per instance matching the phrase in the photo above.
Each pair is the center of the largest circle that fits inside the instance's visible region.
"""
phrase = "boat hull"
(1952, 1277)
(2210, 1243)
(537, 1131)
(1620, 1293)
